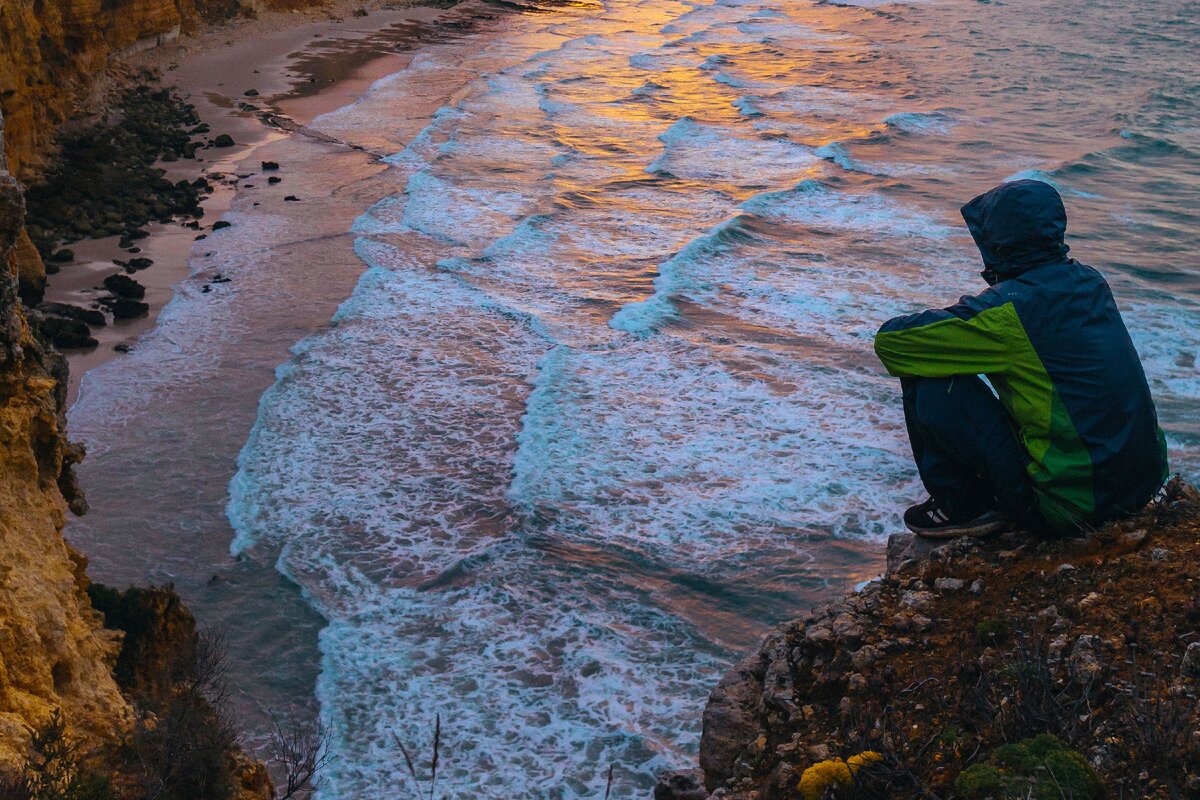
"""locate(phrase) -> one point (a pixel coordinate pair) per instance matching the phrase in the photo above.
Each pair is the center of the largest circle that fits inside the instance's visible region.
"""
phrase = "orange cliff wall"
(54, 653)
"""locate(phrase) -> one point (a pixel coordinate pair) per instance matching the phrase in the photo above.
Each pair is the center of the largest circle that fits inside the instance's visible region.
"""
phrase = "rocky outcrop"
(54, 652)
(963, 647)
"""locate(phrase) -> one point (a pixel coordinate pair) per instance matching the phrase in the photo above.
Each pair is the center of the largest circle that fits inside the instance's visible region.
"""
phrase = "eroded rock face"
(928, 649)
(54, 653)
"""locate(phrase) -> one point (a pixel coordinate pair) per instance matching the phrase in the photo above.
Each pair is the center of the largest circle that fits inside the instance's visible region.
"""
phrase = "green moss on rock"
(1041, 768)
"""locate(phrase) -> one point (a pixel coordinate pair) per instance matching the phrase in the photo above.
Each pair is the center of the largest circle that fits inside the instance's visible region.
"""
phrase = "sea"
(591, 403)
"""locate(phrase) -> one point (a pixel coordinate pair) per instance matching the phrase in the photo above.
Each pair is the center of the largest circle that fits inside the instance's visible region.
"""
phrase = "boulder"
(684, 785)
(124, 308)
(124, 286)
(89, 316)
(66, 334)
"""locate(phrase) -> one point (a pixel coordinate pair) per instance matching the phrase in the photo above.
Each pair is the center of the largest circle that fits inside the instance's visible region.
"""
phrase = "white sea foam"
(614, 340)
(706, 153)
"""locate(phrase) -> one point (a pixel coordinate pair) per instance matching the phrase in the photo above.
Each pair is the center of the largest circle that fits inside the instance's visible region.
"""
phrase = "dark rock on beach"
(66, 334)
(104, 181)
(124, 286)
(219, 224)
(89, 316)
(125, 308)
(224, 140)
(270, 166)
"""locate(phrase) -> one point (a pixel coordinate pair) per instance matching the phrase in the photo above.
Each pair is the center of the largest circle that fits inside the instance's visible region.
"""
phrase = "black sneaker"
(928, 519)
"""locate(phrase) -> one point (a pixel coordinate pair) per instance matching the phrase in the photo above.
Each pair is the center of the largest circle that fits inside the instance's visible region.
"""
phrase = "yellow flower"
(817, 779)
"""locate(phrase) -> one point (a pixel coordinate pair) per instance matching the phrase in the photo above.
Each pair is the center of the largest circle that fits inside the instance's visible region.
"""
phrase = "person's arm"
(975, 336)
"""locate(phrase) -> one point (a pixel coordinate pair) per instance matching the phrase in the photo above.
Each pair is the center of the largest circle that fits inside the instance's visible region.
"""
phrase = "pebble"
(1132, 537)
(1191, 660)
(977, 586)
(948, 584)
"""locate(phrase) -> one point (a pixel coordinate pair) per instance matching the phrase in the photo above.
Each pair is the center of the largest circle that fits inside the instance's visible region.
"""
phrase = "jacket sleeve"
(972, 337)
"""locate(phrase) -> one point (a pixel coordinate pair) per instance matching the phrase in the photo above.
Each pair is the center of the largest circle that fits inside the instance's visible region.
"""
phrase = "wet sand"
(301, 65)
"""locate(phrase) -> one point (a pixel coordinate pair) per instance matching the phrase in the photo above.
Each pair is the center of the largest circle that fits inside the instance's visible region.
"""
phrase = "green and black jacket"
(1052, 343)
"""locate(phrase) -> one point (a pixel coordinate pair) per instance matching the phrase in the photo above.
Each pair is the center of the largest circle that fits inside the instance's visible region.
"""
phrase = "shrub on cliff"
(1041, 768)
(183, 746)
(54, 771)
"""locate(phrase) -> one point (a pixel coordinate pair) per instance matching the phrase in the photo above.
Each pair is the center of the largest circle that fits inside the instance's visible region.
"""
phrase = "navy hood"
(1017, 225)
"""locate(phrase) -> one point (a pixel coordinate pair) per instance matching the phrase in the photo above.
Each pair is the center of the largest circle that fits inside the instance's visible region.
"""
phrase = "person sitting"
(1069, 439)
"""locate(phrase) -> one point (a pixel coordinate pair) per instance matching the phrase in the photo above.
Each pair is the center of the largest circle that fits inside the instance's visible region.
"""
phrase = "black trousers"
(967, 450)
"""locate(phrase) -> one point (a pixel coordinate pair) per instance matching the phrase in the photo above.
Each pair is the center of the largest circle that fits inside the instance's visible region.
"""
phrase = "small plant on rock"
(1041, 768)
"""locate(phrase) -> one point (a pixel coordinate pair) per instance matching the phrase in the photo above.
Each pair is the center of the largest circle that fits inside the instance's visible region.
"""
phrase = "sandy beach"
(297, 65)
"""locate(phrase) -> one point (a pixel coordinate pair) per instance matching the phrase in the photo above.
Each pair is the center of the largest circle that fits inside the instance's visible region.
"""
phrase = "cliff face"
(54, 653)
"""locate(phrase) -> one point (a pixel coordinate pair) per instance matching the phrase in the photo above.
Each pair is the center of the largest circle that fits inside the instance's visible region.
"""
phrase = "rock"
(1160, 554)
(1178, 490)
(291, 198)
(818, 634)
(1085, 657)
(219, 224)
(1063, 569)
(124, 308)
(856, 684)
(684, 785)
(274, 179)
(1090, 599)
(124, 286)
(864, 657)
(948, 584)
(916, 600)
(67, 334)
(63, 255)
(136, 264)
(977, 586)
(250, 93)
(731, 720)
(224, 140)
(270, 166)
(89, 316)
(1132, 538)
(1191, 660)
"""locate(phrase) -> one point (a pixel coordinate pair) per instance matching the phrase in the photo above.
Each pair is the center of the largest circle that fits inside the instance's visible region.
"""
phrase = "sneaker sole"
(985, 529)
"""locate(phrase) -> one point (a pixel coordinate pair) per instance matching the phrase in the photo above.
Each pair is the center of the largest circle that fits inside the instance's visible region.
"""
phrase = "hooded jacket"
(1048, 336)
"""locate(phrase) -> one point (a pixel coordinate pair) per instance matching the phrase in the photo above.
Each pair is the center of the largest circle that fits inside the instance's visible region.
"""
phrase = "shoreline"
(271, 631)
(302, 64)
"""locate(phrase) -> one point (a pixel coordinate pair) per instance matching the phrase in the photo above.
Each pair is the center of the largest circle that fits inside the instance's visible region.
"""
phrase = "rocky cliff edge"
(938, 679)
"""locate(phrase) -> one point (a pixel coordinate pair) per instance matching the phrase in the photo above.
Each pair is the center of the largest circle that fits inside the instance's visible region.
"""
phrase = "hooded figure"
(1072, 440)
